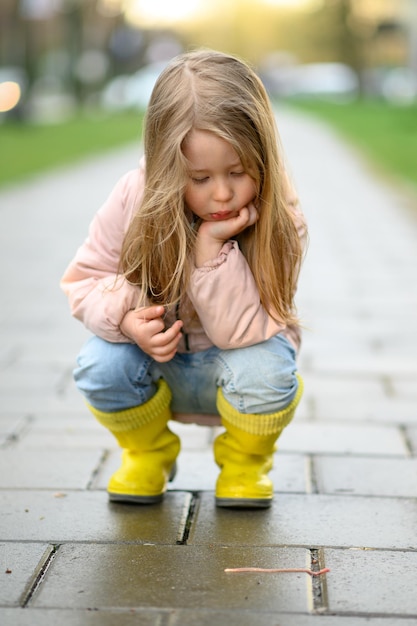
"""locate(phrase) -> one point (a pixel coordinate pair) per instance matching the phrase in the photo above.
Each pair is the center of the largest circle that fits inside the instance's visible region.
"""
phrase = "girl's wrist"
(206, 249)
(125, 325)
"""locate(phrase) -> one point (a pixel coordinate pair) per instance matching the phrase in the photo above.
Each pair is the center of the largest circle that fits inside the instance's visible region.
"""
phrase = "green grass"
(385, 133)
(27, 149)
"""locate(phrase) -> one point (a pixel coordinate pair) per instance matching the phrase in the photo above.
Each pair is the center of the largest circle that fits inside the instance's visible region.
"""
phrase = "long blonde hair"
(212, 91)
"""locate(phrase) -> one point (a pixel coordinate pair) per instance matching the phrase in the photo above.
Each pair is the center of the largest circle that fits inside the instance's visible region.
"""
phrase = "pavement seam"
(311, 475)
(406, 440)
(187, 518)
(39, 577)
(318, 583)
(93, 477)
(18, 433)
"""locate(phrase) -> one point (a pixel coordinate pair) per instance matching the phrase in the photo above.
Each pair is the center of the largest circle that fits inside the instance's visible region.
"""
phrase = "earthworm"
(238, 570)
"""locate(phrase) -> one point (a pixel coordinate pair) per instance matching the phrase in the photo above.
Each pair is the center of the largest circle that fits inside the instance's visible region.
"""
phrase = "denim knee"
(260, 378)
(114, 376)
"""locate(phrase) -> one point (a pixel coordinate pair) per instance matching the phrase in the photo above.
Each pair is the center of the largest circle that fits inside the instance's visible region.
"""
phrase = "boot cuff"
(259, 424)
(137, 416)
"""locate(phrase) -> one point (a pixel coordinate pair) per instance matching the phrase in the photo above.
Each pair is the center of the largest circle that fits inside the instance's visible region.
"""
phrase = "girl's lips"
(221, 215)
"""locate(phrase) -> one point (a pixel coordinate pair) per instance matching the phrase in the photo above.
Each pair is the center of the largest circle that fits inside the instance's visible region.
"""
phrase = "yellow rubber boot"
(245, 453)
(149, 449)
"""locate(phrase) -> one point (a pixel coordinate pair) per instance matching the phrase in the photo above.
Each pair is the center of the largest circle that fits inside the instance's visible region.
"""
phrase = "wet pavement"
(346, 471)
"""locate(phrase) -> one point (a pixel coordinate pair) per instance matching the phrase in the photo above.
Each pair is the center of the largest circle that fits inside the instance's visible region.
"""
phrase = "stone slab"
(47, 468)
(366, 476)
(12, 423)
(156, 576)
(376, 399)
(35, 380)
(11, 427)
(71, 439)
(64, 425)
(19, 563)
(50, 402)
(47, 516)
(372, 582)
(82, 617)
(242, 618)
(405, 388)
(329, 437)
(64, 431)
(344, 360)
(310, 520)
(183, 617)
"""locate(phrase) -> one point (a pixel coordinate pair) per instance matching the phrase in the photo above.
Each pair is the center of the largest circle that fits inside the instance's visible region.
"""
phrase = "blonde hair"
(208, 90)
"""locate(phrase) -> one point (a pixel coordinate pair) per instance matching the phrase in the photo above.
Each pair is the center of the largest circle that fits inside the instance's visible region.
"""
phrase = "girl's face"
(218, 186)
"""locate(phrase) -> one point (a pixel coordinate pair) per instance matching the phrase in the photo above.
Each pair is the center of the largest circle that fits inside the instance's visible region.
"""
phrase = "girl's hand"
(147, 329)
(212, 235)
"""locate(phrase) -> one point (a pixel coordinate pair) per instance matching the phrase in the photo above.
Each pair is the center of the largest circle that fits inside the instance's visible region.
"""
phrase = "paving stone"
(35, 380)
(242, 618)
(334, 386)
(47, 469)
(172, 577)
(11, 427)
(330, 437)
(67, 432)
(48, 402)
(20, 563)
(368, 399)
(88, 516)
(343, 359)
(405, 388)
(372, 582)
(64, 425)
(367, 476)
(71, 439)
(82, 617)
(310, 520)
(388, 410)
(183, 617)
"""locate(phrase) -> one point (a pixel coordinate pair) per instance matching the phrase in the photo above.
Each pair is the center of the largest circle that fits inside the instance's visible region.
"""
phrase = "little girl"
(187, 282)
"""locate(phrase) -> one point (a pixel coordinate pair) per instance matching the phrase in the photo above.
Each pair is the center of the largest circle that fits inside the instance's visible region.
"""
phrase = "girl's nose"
(223, 191)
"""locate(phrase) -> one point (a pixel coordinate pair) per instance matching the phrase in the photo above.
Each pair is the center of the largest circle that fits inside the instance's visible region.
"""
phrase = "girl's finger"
(163, 341)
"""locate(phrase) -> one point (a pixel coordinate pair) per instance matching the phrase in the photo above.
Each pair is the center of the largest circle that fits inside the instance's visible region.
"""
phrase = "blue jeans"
(258, 379)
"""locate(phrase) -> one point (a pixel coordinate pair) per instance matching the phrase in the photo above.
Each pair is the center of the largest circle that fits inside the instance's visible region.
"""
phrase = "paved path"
(346, 472)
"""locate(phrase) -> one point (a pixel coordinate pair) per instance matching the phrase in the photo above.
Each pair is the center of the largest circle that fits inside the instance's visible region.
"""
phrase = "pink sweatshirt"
(222, 292)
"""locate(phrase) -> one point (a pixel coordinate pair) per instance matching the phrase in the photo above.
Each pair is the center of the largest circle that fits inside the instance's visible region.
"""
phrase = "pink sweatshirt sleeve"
(226, 298)
(98, 297)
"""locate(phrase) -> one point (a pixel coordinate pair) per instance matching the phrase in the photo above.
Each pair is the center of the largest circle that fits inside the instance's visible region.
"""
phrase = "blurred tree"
(412, 26)
(11, 34)
(336, 34)
(323, 31)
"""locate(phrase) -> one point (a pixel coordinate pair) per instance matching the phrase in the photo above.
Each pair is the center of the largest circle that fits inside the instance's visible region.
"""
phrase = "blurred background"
(76, 75)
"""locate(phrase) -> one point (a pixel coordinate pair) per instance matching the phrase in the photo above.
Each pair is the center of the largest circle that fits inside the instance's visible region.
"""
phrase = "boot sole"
(244, 503)
(123, 497)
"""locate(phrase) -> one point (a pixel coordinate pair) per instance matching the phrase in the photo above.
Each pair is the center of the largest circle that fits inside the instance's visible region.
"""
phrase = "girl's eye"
(238, 173)
(199, 181)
